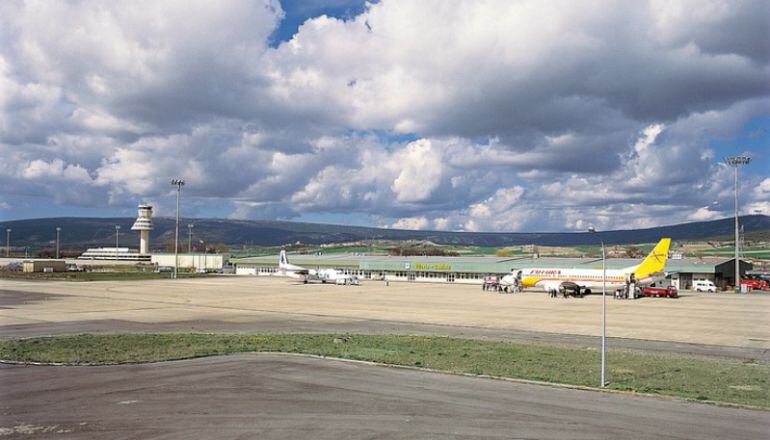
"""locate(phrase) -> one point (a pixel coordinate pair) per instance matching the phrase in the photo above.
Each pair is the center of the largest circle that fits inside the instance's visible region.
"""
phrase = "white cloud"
(762, 191)
(518, 115)
(411, 223)
(757, 208)
(420, 171)
(702, 214)
(54, 170)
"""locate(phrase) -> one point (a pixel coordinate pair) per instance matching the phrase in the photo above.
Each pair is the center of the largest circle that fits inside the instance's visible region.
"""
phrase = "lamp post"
(8, 242)
(735, 162)
(189, 237)
(604, 307)
(179, 183)
(117, 241)
(58, 231)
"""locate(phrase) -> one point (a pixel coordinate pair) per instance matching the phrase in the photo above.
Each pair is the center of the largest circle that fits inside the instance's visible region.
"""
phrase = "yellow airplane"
(650, 270)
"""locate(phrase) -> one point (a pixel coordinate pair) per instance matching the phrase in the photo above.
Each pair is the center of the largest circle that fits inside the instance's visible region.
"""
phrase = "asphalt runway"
(272, 396)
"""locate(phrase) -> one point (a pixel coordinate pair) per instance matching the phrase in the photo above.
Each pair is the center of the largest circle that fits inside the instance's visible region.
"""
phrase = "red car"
(755, 284)
(658, 292)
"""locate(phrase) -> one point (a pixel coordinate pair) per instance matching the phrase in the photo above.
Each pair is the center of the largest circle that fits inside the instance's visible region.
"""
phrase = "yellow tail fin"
(655, 261)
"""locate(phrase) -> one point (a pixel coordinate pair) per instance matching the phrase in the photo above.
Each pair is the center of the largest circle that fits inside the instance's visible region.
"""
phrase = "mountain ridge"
(100, 231)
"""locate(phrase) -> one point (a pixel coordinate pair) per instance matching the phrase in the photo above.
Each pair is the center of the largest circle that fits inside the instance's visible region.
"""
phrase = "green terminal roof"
(471, 264)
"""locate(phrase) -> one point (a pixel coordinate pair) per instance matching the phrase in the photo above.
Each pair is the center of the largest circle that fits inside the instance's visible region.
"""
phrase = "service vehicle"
(660, 292)
(755, 284)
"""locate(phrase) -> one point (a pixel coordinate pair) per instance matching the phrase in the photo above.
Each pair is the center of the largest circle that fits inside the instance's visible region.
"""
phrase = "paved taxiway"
(291, 323)
(276, 396)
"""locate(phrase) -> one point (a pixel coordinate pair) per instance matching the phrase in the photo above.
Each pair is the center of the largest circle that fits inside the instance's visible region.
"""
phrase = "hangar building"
(473, 270)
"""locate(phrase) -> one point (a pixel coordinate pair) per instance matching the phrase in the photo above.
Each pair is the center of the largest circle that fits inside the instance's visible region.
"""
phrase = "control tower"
(143, 224)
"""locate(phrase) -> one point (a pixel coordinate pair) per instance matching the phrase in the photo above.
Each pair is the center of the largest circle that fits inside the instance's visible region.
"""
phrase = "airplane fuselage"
(585, 278)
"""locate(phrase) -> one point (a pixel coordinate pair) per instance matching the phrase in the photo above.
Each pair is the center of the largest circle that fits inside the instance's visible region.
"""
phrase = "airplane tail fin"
(655, 262)
(282, 260)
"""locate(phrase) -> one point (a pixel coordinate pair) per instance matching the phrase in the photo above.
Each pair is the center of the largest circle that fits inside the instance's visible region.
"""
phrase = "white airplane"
(290, 270)
(650, 270)
(337, 277)
(323, 275)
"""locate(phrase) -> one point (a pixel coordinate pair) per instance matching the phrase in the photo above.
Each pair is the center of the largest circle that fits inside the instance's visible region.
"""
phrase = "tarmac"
(710, 324)
(275, 396)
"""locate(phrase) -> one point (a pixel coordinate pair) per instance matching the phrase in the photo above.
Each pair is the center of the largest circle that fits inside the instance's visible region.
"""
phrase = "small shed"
(44, 266)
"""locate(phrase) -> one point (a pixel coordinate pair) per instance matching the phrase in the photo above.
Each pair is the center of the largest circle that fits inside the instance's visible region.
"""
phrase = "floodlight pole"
(117, 241)
(189, 238)
(604, 309)
(735, 162)
(179, 183)
(8, 242)
(58, 231)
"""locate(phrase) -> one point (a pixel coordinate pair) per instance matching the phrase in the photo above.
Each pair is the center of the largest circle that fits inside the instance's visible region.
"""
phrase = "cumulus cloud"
(420, 174)
(55, 170)
(411, 223)
(480, 115)
(702, 214)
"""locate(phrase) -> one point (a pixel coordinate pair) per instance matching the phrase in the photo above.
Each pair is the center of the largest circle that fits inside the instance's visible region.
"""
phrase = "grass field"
(95, 276)
(740, 382)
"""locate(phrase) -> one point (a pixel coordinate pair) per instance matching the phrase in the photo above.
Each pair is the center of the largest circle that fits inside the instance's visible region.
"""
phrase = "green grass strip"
(723, 380)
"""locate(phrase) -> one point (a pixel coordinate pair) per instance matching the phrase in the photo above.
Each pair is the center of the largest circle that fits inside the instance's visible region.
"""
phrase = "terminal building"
(473, 270)
(143, 224)
(117, 254)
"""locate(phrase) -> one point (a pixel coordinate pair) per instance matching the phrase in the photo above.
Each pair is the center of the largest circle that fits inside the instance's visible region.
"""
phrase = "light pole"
(189, 238)
(117, 241)
(735, 162)
(604, 307)
(58, 231)
(8, 242)
(179, 183)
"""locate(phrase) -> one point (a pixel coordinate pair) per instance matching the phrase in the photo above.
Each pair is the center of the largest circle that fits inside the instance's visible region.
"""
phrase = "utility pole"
(604, 307)
(189, 238)
(8, 242)
(58, 231)
(117, 241)
(736, 162)
(179, 183)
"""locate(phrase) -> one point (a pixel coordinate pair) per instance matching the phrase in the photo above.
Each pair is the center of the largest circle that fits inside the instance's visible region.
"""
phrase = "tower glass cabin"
(143, 224)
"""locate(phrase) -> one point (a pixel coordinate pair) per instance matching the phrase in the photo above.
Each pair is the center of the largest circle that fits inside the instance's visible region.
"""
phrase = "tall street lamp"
(604, 307)
(179, 183)
(58, 231)
(735, 162)
(117, 241)
(8, 242)
(189, 238)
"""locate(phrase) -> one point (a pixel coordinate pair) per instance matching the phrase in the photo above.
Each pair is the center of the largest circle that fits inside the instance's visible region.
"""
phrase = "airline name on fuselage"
(545, 272)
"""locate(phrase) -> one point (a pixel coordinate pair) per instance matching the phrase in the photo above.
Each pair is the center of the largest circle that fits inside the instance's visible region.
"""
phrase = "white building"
(111, 253)
(196, 262)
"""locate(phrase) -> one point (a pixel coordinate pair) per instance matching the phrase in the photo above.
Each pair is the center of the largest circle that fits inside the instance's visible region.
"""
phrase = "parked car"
(704, 286)
(660, 292)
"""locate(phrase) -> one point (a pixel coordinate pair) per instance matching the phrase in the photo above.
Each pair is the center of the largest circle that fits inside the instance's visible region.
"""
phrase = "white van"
(703, 286)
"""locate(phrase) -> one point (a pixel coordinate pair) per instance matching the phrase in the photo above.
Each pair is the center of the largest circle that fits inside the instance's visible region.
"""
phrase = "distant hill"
(91, 232)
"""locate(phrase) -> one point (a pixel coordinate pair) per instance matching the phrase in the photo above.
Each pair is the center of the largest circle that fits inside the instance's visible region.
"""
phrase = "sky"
(480, 115)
